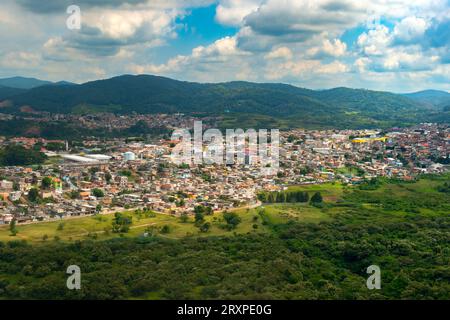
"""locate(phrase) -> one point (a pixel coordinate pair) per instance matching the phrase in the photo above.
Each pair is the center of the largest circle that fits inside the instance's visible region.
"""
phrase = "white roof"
(98, 156)
(78, 158)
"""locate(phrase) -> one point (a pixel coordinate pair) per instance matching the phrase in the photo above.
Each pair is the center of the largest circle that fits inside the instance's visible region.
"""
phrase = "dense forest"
(16, 155)
(72, 131)
(325, 261)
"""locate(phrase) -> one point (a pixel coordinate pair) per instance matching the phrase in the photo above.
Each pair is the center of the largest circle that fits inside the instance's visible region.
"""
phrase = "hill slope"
(7, 92)
(267, 102)
(22, 82)
(431, 97)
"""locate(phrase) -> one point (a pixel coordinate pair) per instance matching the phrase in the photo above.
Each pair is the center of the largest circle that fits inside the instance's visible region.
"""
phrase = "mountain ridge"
(125, 94)
(26, 83)
(18, 82)
(432, 97)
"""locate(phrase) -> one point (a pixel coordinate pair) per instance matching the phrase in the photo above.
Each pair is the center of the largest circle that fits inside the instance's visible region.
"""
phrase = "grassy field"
(390, 200)
(331, 192)
(300, 212)
(98, 227)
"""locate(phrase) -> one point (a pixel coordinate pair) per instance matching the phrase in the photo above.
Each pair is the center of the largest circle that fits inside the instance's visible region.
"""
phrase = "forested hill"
(339, 107)
(431, 97)
(7, 92)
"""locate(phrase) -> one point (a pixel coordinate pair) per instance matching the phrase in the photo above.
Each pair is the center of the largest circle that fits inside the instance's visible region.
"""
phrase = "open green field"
(98, 227)
(299, 212)
(331, 192)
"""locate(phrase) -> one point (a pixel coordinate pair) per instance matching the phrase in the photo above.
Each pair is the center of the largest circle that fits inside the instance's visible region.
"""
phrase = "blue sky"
(396, 45)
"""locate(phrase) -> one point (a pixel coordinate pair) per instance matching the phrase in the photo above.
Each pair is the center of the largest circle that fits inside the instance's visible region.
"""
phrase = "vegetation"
(16, 155)
(55, 146)
(444, 188)
(46, 183)
(316, 198)
(239, 103)
(33, 195)
(296, 251)
(12, 228)
(71, 131)
(283, 196)
(98, 193)
(232, 220)
(121, 223)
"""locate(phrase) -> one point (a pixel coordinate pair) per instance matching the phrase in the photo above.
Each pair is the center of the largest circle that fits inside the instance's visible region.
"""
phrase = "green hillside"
(434, 98)
(7, 92)
(23, 83)
(277, 104)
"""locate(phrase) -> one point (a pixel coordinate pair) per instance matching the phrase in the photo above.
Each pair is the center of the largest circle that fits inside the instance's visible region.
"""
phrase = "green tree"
(232, 220)
(98, 193)
(33, 194)
(316, 198)
(108, 177)
(199, 209)
(205, 227)
(12, 227)
(16, 155)
(184, 217)
(199, 217)
(165, 229)
(55, 146)
(208, 210)
(121, 223)
(74, 194)
(46, 183)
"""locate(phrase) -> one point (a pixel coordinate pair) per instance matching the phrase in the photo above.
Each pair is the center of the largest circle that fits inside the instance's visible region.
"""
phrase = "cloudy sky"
(395, 45)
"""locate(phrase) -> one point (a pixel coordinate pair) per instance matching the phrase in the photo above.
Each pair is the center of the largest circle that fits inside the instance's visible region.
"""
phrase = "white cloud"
(375, 41)
(233, 12)
(5, 18)
(333, 68)
(120, 24)
(361, 64)
(410, 29)
(220, 48)
(220, 60)
(333, 48)
(400, 59)
(295, 41)
(281, 52)
(20, 60)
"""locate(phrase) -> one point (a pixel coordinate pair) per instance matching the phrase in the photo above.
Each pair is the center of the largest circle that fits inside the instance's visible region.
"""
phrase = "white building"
(129, 156)
(100, 157)
(75, 158)
(6, 185)
(15, 196)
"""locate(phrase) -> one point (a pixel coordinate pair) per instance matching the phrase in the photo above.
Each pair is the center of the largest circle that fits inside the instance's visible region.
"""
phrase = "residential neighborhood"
(76, 180)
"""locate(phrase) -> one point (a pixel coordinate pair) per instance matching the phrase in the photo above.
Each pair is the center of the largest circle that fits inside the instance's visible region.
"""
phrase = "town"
(100, 176)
